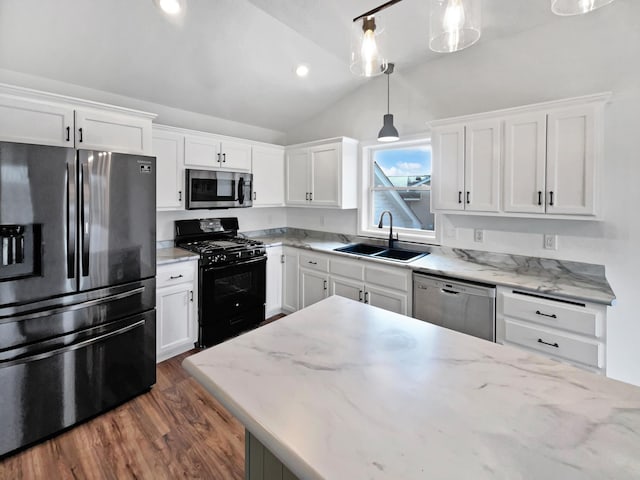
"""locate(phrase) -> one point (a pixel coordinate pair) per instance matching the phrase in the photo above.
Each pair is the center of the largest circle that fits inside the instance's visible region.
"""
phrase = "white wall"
(564, 58)
(166, 115)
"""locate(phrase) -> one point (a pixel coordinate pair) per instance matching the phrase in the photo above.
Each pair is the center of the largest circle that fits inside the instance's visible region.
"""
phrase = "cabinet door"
(27, 121)
(297, 177)
(482, 166)
(112, 132)
(387, 299)
(524, 163)
(168, 148)
(268, 177)
(326, 176)
(201, 152)
(175, 326)
(313, 287)
(571, 161)
(274, 281)
(448, 168)
(236, 156)
(344, 287)
(290, 280)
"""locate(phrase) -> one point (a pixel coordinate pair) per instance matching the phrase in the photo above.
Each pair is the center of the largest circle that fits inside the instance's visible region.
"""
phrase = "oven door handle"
(248, 262)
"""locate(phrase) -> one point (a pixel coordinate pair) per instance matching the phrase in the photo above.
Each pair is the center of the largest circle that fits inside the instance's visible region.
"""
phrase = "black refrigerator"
(77, 286)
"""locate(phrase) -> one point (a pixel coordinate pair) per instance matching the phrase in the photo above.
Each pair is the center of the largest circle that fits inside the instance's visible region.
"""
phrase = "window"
(398, 179)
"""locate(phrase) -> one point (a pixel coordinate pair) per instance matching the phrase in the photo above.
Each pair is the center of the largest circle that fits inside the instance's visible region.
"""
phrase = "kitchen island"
(343, 390)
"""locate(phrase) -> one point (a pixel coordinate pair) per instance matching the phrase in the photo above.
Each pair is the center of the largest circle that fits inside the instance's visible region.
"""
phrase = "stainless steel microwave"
(207, 189)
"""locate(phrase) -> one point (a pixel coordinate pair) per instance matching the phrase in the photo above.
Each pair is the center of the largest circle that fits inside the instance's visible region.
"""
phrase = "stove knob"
(222, 258)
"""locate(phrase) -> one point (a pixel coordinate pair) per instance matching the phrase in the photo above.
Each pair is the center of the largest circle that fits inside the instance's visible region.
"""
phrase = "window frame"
(367, 189)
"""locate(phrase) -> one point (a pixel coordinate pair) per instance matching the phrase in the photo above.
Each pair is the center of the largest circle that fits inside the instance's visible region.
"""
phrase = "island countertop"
(344, 390)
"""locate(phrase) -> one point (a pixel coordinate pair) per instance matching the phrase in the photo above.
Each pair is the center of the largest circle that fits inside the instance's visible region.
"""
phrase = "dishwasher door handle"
(450, 292)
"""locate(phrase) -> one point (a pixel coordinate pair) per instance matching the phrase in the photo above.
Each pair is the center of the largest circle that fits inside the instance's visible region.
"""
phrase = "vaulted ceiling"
(233, 59)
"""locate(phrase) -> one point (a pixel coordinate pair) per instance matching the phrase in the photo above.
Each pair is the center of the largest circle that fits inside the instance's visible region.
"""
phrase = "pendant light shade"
(388, 133)
(368, 47)
(454, 24)
(576, 7)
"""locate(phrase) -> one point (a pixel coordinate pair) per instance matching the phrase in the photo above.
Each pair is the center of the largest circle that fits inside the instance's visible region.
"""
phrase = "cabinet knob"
(551, 199)
(311, 196)
(468, 197)
(219, 158)
(366, 297)
(325, 284)
(539, 198)
(179, 195)
(224, 158)
(80, 132)
(68, 134)
(459, 197)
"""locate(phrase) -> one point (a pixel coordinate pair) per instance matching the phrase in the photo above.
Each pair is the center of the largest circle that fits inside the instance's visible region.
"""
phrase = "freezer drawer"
(459, 306)
(54, 389)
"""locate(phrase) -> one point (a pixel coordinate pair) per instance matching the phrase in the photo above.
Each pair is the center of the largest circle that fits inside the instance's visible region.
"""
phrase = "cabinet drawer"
(176, 273)
(388, 277)
(346, 269)
(314, 262)
(554, 314)
(555, 343)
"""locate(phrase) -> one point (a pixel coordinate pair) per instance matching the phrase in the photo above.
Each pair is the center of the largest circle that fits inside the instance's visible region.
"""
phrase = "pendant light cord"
(388, 93)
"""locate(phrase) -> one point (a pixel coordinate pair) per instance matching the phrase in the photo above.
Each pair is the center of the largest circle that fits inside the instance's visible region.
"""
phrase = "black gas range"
(231, 277)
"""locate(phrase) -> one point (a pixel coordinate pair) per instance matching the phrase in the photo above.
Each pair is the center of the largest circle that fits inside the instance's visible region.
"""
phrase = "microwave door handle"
(85, 215)
(241, 190)
(71, 220)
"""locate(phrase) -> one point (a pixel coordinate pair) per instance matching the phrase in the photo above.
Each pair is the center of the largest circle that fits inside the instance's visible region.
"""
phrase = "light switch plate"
(550, 241)
(478, 235)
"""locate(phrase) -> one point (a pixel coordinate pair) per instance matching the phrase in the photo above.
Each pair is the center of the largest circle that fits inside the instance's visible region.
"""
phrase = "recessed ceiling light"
(302, 70)
(170, 7)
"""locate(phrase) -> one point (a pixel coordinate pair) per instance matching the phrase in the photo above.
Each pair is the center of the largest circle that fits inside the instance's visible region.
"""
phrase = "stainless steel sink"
(374, 251)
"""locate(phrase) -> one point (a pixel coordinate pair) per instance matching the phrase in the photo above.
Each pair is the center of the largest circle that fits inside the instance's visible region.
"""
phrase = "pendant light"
(454, 24)
(576, 7)
(388, 133)
(368, 43)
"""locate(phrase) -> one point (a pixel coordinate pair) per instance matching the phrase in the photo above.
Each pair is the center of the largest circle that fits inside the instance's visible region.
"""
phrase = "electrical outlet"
(550, 241)
(478, 235)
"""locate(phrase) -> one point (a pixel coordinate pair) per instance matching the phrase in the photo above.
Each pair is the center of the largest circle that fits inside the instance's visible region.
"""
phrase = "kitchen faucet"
(391, 239)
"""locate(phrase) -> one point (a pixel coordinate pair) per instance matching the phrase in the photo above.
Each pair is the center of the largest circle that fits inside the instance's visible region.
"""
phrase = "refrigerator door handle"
(85, 217)
(74, 346)
(71, 221)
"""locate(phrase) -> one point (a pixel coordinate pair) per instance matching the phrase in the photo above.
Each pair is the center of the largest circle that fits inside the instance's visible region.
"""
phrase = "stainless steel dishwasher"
(465, 307)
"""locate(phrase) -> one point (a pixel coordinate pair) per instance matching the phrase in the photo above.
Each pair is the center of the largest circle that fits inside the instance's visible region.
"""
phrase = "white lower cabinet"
(274, 281)
(386, 287)
(567, 330)
(176, 317)
(290, 291)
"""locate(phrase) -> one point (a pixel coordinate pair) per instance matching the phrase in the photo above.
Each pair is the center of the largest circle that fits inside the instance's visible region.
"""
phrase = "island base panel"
(261, 464)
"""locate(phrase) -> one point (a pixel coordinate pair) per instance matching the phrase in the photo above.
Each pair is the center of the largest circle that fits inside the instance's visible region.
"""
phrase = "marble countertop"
(345, 390)
(173, 255)
(560, 278)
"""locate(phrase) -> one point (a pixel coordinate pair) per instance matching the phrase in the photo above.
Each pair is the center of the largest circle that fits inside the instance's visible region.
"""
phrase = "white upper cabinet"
(168, 148)
(29, 121)
(29, 116)
(525, 141)
(466, 166)
(112, 132)
(216, 153)
(571, 166)
(549, 153)
(448, 167)
(483, 143)
(268, 176)
(322, 174)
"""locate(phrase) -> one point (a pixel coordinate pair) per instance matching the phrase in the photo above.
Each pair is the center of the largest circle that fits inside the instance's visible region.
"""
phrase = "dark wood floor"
(177, 430)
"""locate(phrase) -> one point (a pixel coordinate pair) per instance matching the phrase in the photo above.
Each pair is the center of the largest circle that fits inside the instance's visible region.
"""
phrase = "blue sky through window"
(399, 164)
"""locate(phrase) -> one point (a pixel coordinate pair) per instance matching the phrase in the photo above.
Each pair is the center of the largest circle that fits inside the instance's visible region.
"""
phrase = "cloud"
(404, 169)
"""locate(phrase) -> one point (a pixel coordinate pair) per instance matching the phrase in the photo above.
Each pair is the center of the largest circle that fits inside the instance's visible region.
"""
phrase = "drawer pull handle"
(550, 344)
(360, 295)
(175, 277)
(313, 263)
(553, 315)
